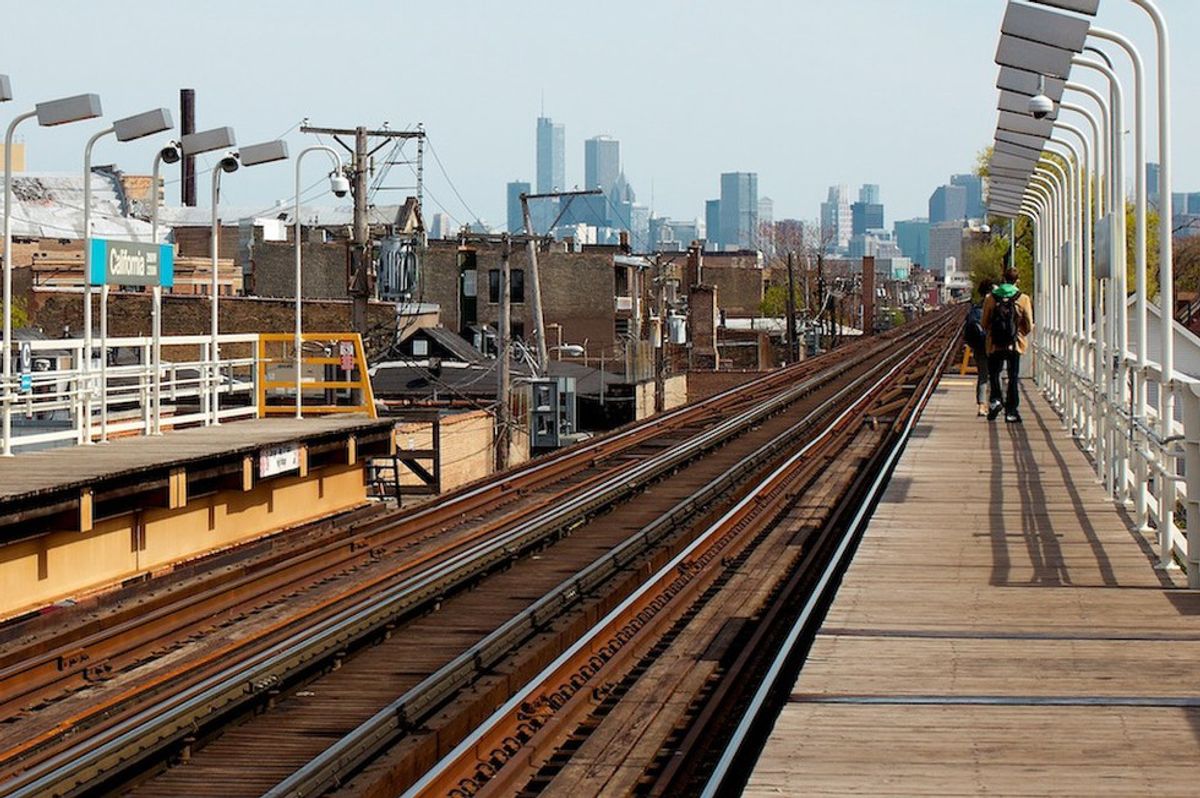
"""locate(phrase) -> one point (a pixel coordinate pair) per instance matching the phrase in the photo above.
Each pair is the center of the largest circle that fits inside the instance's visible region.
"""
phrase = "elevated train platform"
(1001, 631)
(80, 518)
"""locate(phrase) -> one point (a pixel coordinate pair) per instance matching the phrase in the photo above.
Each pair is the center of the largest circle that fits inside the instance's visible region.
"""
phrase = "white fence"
(1109, 404)
(61, 399)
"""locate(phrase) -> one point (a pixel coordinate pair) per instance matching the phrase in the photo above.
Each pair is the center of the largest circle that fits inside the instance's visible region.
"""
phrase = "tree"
(20, 314)
(774, 302)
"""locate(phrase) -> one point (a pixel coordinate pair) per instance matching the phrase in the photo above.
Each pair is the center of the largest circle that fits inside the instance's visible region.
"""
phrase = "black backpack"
(973, 332)
(1004, 321)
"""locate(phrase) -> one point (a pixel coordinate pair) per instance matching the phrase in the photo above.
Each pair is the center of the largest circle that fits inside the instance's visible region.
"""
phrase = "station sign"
(26, 367)
(131, 263)
(280, 459)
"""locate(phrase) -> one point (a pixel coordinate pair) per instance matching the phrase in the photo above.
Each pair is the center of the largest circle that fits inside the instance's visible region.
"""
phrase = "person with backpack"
(1008, 321)
(975, 337)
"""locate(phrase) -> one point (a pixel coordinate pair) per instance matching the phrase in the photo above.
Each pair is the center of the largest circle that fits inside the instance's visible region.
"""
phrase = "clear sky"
(807, 93)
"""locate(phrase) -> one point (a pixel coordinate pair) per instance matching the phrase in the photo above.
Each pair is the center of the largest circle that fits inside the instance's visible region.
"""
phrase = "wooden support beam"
(86, 510)
(177, 493)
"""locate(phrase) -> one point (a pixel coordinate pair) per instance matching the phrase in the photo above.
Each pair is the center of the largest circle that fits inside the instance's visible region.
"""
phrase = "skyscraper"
(836, 220)
(551, 156)
(712, 224)
(948, 204)
(912, 236)
(739, 210)
(867, 213)
(601, 163)
(516, 221)
(974, 186)
(1153, 171)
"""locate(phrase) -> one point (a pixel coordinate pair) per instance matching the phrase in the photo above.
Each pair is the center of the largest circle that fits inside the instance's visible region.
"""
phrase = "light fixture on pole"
(130, 128)
(169, 154)
(49, 114)
(252, 155)
(340, 187)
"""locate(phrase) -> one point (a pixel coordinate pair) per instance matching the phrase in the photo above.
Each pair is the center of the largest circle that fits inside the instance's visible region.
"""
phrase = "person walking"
(975, 337)
(1008, 321)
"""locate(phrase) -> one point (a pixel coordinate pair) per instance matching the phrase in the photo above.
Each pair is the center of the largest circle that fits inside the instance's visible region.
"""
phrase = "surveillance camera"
(170, 154)
(339, 185)
(229, 164)
(1041, 106)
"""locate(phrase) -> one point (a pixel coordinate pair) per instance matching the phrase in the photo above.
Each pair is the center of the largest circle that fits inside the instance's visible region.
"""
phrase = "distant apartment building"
(515, 219)
(973, 184)
(739, 210)
(945, 243)
(836, 220)
(912, 236)
(948, 204)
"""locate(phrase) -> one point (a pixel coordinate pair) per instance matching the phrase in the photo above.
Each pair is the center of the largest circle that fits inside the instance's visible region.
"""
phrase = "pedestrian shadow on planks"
(1015, 468)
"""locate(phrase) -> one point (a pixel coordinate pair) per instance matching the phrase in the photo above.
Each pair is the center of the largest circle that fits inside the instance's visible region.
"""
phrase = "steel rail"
(368, 738)
(836, 564)
(48, 657)
(466, 747)
(159, 724)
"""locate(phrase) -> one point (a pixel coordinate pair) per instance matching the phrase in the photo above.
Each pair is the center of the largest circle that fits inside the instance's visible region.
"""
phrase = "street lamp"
(340, 187)
(169, 154)
(49, 114)
(130, 128)
(252, 155)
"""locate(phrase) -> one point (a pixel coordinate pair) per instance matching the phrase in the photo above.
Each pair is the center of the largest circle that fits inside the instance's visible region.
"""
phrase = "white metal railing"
(1138, 467)
(61, 399)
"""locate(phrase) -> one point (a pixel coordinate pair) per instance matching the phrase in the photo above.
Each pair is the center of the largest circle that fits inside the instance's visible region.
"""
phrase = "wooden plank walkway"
(34, 473)
(1000, 631)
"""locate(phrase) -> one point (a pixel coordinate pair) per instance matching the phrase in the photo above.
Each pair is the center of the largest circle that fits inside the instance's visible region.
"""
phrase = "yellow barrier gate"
(350, 359)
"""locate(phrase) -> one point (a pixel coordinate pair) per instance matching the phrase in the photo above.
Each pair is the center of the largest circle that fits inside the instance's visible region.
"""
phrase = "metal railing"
(1110, 408)
(59, 399)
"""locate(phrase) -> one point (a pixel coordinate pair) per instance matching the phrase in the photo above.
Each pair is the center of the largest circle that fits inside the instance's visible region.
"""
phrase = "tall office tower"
(601, 163)
(712, 224)
(912, 236)
(1153, 172)
(739, 210)
(867, 213)
(551, 156)
(516, 220)
(974, 186)
(948, 204)
(836, 220)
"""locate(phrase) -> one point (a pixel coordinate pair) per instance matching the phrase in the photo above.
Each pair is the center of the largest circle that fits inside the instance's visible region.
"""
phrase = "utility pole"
(360, 244)
(822, 300)
(660, 352)
(535, 285)
(791, 311)
(503, 360)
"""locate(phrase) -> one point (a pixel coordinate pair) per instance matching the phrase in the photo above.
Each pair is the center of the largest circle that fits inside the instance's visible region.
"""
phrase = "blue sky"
(807, 93)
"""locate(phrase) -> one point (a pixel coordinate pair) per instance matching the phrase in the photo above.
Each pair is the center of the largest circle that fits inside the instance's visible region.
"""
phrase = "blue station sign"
(131, 263)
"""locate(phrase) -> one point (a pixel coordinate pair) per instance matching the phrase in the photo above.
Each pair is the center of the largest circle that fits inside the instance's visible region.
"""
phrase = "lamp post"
(169, 154)
(340, 186)
(49, 114)
(252, 155)
(130, 128)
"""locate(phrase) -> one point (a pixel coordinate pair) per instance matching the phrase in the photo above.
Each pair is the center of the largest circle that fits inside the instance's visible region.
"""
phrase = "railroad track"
(641, 703)
(77, 655)
(470, 535)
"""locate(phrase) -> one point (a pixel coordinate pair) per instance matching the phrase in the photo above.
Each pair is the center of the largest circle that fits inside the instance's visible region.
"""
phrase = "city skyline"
(485, 144)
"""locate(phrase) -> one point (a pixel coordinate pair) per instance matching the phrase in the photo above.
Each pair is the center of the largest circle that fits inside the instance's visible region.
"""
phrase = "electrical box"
(552, 415)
